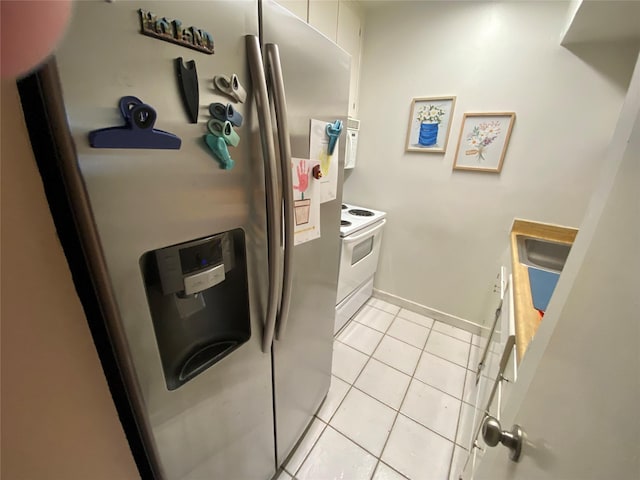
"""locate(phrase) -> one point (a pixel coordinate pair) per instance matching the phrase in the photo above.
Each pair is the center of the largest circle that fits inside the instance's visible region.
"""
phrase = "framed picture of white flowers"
(429, 124)
(483, 141)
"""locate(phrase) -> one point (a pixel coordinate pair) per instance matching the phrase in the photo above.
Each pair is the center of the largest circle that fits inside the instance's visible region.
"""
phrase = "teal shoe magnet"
(218, 146)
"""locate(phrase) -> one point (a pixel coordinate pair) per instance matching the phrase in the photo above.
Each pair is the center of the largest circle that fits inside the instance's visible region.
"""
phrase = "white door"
(578, 391)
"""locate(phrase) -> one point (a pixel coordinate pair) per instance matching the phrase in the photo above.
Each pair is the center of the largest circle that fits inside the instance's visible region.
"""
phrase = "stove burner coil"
(344, 207)
(345, 223)
(361, 213)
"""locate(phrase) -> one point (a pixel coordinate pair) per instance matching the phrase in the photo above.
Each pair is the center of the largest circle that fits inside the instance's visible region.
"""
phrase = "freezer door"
(219, 424)
(316, 80)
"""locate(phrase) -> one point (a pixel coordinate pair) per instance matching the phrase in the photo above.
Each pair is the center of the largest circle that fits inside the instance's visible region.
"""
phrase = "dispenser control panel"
(197, 257)
(201, 281)
(195, 266)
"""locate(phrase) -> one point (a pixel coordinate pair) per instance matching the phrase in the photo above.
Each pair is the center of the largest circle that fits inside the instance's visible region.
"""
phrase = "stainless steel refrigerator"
(221, 327)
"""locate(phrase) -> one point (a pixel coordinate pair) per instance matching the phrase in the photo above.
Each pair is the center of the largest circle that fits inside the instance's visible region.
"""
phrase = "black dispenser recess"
(199, 301)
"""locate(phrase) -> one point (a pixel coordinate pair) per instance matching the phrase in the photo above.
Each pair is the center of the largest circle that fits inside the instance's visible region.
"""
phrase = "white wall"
(58, 417)
(448, 231)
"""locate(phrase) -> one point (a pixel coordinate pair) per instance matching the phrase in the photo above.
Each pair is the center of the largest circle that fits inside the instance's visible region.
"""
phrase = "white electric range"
(361, 232)
(354, 218)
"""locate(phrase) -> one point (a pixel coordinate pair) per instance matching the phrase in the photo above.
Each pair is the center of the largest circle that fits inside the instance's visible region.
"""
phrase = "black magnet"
(188, 81)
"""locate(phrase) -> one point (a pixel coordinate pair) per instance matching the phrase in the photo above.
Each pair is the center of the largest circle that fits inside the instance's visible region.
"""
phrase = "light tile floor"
(400, 393)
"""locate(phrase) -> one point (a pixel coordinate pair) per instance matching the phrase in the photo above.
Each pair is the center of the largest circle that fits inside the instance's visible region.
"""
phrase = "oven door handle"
(355, 238)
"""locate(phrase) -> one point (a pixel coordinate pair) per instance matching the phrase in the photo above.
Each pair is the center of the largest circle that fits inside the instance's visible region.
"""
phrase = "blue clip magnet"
(333, 132)
(137, 132)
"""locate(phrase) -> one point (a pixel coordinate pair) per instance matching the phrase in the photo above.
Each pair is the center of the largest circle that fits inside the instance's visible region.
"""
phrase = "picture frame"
(430, 121)
(483, 141)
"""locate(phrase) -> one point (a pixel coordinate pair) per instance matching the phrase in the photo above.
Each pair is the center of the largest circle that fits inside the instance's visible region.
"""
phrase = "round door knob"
(491, 431)
(493, 434)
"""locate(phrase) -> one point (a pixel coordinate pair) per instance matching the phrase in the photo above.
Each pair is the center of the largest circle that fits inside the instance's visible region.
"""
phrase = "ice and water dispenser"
(199, 301)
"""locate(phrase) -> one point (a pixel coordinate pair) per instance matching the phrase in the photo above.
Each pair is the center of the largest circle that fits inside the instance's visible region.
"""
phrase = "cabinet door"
(494, 392)
(469, 467)
(508, 331)
(494, 338)
(350, 38)
(298, 7)
(492, 384)
(323, 15)
(499, 353)
(492, 297)
(341, 21)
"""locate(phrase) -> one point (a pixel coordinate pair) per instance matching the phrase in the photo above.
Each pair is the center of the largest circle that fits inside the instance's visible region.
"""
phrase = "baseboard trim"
(443, 317)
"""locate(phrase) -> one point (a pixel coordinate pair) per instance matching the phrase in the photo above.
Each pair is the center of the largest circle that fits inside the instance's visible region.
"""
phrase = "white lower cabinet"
(496, 372)
(470, 466)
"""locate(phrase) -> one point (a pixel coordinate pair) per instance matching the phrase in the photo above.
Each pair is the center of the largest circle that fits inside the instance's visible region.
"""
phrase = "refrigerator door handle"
(274, 201)
(274, 69)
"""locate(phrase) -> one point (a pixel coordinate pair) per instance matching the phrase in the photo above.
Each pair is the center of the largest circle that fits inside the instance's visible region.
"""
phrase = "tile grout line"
(433, 323)
(398, 412)
(406, 343)
(461, 398)
(386, 332)
(376, 399)
(427, 428)
(405, 373)
(351, 386)
(369, 452)
(383, 310)
(446, 393)
(370, 356)
(403, 341)
(404, 397)
(310, 449)
(439, 389)
(379, 457)
(432, 319)
(398, 409)
(455, 437)
(391, 468)
(411, 378)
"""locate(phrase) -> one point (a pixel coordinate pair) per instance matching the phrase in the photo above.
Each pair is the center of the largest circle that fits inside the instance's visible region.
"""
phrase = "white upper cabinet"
(610, 21)
(299, 8)
(349, 37)
(323, 15)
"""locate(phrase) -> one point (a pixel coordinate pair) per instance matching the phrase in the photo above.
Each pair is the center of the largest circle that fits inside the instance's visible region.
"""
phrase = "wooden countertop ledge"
(527, 318)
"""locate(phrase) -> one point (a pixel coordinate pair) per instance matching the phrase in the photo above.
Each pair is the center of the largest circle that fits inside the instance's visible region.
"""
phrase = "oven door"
(359, 258)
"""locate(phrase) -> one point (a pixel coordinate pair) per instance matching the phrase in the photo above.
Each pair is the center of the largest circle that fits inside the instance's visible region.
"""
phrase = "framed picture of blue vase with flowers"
(483, 141)
(429, 124)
